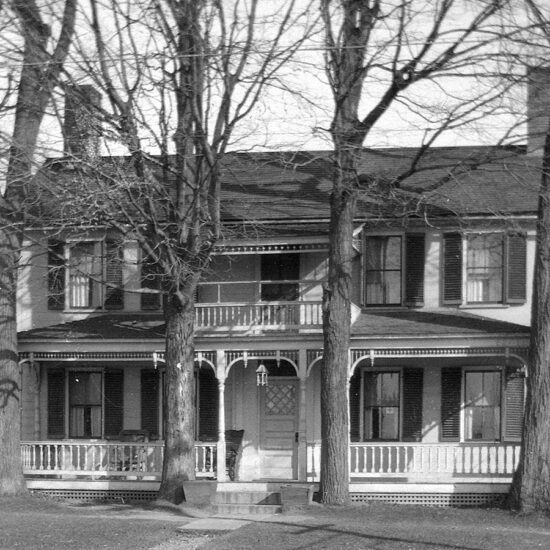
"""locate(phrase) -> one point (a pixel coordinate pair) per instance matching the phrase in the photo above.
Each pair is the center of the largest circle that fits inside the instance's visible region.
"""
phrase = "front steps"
(247, 502)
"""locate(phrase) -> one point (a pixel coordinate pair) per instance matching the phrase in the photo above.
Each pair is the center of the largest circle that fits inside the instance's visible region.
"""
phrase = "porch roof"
(380, 323)
(406, 323)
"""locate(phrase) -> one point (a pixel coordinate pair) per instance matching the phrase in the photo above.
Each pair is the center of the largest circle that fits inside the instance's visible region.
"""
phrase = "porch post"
(220, 375)
(302, 425)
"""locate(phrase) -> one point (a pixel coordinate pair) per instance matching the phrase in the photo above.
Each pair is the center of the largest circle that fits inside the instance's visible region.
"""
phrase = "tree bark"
(334, 481)
(179, 457)
(531, 485)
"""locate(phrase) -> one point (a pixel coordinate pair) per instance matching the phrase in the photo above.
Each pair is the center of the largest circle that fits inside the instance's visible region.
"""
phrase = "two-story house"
(438, 358)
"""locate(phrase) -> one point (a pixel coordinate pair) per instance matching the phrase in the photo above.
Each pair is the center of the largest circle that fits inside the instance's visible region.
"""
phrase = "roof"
(390, 323)
(278, 187)
(410, 323)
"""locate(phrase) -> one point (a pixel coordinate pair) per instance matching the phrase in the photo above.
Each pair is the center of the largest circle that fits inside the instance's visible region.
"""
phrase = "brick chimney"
(81, 127)
(538, 108)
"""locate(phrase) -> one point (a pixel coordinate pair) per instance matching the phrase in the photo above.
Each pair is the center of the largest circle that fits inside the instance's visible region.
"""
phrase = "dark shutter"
(514, 396)
(56, 275)
(414, 262)
(516, 277)
(412, 404)
(150, 402)
(208, 405)
(451, 379)
(114, 295)
(56, 404)
(114, 402)
(354, 405)
(452, 268)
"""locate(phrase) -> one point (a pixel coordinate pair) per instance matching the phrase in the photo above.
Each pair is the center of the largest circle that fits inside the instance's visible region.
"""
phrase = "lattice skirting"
(98, 495)
(459, 500)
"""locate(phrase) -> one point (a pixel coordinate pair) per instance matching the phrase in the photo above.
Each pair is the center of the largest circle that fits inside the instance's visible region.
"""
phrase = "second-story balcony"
(238, 306)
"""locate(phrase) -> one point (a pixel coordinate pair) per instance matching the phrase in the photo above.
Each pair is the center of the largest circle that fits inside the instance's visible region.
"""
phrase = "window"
(381, 420)
(85, 275)
(389, 269)
(280, 267)
(495, 270)
(85, 403)
(383, 270)
(95, 400)
(482, 406)
(484, 270)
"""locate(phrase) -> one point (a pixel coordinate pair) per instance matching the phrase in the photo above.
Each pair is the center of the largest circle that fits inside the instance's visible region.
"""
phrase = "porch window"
(85, 404)
(383, 270)
(381, 421)
(485, 268)
(482, 405)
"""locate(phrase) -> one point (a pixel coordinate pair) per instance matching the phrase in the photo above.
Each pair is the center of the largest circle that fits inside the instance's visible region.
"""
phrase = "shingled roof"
(288, 186)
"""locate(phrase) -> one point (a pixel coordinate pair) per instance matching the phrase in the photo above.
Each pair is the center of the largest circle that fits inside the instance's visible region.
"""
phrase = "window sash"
(383, 270)
(382, 403)
(485, 268)
(482, 405)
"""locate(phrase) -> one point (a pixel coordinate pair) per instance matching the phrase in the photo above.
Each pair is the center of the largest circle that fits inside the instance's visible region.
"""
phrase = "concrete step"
(247, 509)
(247, 497)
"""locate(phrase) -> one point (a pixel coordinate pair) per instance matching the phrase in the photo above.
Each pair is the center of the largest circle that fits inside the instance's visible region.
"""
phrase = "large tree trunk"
(334, 482)
(531, 484)
(179, 458)
(11, 473)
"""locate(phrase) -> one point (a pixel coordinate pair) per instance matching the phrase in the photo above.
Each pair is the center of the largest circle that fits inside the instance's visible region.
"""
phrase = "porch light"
(261, 375)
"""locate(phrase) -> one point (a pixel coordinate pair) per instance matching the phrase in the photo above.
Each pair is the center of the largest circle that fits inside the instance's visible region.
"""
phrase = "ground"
(34, 523)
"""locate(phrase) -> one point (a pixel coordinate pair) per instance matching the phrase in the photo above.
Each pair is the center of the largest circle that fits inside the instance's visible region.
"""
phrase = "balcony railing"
(424, 461)
(238, 305)
(111, 459)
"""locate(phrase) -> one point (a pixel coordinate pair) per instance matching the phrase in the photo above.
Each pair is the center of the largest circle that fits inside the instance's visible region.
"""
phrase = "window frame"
(498, 430)
(402, 268)
(363, 429)
(69, 406)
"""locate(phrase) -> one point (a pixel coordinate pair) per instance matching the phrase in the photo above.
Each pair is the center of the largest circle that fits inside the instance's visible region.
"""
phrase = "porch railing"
(422, 460)
(112, 459)
(268, 315)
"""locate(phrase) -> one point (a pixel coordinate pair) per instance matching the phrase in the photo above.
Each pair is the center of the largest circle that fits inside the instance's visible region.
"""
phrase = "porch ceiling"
(414, 323)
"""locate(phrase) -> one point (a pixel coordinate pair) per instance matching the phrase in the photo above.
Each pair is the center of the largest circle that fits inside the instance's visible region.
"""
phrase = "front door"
(278, 428)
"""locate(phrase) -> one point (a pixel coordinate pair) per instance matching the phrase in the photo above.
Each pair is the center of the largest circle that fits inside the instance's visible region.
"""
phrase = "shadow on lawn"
(323, 533)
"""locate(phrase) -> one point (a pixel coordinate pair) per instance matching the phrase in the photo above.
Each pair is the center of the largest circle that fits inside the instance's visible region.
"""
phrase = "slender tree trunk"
(179, 458)
(334, 487)
(531, 484)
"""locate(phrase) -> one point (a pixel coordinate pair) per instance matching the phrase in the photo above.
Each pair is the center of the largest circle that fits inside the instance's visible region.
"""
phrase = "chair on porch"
(132, 458)
(233, 442)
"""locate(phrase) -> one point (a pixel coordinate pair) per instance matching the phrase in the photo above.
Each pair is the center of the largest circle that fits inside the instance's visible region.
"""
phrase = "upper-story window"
(394, 270)
(85, 275)
(484, 268)
(279, 274)
(151, 296)
(383, 270)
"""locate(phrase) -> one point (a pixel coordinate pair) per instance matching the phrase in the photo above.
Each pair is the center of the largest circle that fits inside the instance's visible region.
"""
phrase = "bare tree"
(42, 58)
(376, 52)
(178, 78)
(531, 485)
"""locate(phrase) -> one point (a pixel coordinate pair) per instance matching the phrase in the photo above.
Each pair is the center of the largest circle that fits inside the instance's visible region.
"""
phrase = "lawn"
(36, 523)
